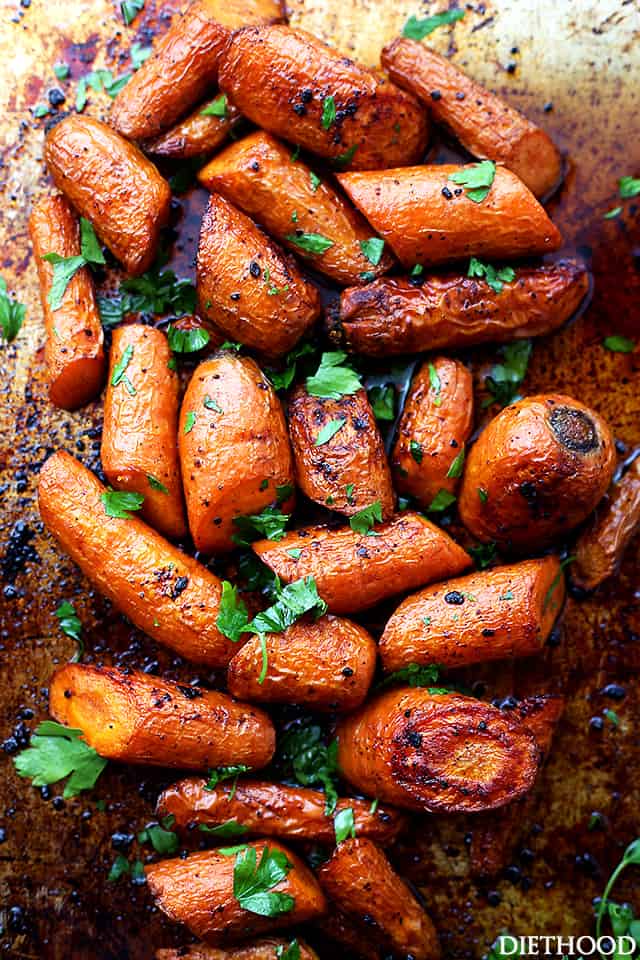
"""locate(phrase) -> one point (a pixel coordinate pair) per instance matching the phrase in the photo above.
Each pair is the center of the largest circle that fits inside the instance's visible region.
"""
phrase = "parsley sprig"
(71, 626)
(56, 752)
(496, 277)
(11, 314)
(333, 379)
(271, 524)
(65, 268)
(253, 882)
(306, 758)
(415, 675)
(417, 29)
(620, 915)
(506, 378)
(477, 179)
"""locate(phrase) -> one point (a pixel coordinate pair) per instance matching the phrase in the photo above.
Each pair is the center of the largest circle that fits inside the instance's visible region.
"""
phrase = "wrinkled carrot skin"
(236, 454)
(543, 463)
(496, 833)
(261, 67)
(257, 175)
(353, 456)
(198, 891)
(273, 810)
(197, 135)
(436, 423)
(422, 225)
(354, 571)
(137, 718)
(602, 544)
(504, 612)
(394, 315)
(327, 664)
(139, 435)
(73, 352)
(184, 65)
(484, 124)
(164, 592)
(111, 183)
(436, 752)
(356, 938)
(248, 287)
(264, 950)
(362, 883)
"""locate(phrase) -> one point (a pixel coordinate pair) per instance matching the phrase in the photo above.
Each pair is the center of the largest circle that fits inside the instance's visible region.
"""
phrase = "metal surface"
(581, 56)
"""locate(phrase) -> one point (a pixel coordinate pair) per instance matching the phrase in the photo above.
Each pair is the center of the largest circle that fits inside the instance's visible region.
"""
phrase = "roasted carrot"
(496, 832)
(536, 471)
(339, 455)
(272, 810)
(427, 219)
(353, 571)
(436, 423)
(602, 544)
(356, 938)
(432, 752)
(199, 134)
(327, 665)
(234, 449)
(137, 718)
(111, 183)
(199, 892)
(291, 201)
(248, 286)
(184, 65)
(73, 352)
(139, 438)
(261, 950)
(484, 124)
(296, 87)
(161, 590)
(503, 612)
(362, 883)
(396, 315)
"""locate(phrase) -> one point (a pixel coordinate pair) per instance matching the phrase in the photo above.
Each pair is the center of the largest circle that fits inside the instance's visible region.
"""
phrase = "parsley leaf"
(363, 521)
(441, 501)
(282, 379)
(372, 249)
(329, 430)
(292, 952)
(619, 344)
(119, 371)
(417, 29)
(118, 503)
(483, 495)
(56, 752)
(61, 70)
(612, 214)
(229, 830)
(382, 400)
(163, 841)
(102, 81)
(119, 868)
(271, 524)
(496, 277)
(11, 313)
(344, 825)
(252, 881)
(217, 107)
(130, 9)
(187, 341)
(315, 181)
(476, 178)
(233, 616)
(435, 383)
(414, 675)
(189, 421)
(310, 761)
(345, 158)
(218, 774)
(328, 112)
(629, 187)
(455, 470)
(294, 600)
(332, 379)
(416, 450)
(71, 626)
(483, 555)
(310, 242)
(156, 292)
(155, 484)
(139, 54)
(505, 378)
(64, 268)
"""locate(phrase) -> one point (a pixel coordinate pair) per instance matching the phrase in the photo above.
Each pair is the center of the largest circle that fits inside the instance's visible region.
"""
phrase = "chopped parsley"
(415, 675)
(344, 825)
(119, 374)
(253, 882)
(363, 521)
(315, 180)
(505, 378)
(372, 249)
(343, 159)
(56, 752)
(328, 112)
(442, 500)
(130, 9)
(118, 503)
(217, 107)
(417, 29)
(155, 484)
(436, 384)
(187, 341)
(310, 761)
(333, 379)
(271, 524)
(629, 187)
(291, 952)
(12, 314)
(162, 840)
(476, 179)
(619, 344)
(71, 626)
(310, 242)
(483, 555)
(64, 268)
(189, 421)
(496, 277)
(139, 54)
(416, 450)
(483, 495)
(382, 400)
(219, 774)
(156, 292)
(329, 430)
(233, 616)
(282, 379)
(102, 81)
(229, 830)
(61, 70)
(455, 470)
(210, 404)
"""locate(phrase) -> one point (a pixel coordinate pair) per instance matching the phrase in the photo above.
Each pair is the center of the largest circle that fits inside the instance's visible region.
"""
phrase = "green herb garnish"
(476, 179)
(417, 29)
(333, 379)
(118, 503)
(56, 752)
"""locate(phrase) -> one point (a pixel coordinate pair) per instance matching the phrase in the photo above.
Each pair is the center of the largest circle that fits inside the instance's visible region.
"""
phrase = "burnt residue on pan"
(573, 74)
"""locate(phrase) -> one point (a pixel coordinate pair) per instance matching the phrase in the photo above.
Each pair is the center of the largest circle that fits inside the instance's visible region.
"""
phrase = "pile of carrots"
(230, 448)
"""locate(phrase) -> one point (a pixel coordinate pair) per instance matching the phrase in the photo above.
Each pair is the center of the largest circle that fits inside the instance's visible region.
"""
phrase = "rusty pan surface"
(580, 59)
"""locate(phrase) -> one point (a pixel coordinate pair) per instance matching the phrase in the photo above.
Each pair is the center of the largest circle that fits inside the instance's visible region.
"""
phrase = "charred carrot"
(503, 612)
(484, 124)
(136, 718)
(436, 752)
(536, 471)
(272, 810)
(161, 590)
(139, 438)
(427, 219)
(199, 134)
(354, 571)
(74, 354)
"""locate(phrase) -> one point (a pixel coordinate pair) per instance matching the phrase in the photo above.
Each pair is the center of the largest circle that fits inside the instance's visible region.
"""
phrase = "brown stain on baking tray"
(579, 61)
